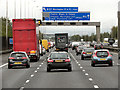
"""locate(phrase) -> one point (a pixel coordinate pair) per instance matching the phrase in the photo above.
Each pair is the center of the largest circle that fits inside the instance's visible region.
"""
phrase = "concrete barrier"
(111, 49)
(6, 51)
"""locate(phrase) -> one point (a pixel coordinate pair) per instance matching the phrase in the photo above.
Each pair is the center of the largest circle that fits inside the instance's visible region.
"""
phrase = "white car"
(115, 45)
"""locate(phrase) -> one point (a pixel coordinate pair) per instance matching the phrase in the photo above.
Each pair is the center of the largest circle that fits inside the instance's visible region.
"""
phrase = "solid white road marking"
(27, 81)
(3, 65)
(90, 79)
(95, 86)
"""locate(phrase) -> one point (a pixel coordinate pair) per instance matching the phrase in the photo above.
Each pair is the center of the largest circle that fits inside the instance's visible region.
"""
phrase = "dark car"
(98, 46)
(87, 53)
(101, 57)
(59, 60)
(18, 59)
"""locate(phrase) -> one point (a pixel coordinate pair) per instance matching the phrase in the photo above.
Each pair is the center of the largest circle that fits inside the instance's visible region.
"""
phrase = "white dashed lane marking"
(32, 75)
(27, 81)
(95, 86)
(86, 74)
(35, 71)
(90, 79)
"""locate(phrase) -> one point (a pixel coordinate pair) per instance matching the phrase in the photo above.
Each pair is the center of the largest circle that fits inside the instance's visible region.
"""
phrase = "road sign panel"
(10, 40)
(69, 16)
(60, 9)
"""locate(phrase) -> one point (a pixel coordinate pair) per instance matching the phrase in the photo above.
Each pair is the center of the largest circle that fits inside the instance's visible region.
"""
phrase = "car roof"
(88, 48)
(58, 52)
(101, 50)
(18, 52)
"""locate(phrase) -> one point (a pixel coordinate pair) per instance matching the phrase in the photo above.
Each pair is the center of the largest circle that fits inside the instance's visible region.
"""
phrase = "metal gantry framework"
(97, 24)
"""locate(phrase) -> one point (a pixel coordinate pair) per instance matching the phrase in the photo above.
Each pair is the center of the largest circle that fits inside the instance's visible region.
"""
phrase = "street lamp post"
(6, 24)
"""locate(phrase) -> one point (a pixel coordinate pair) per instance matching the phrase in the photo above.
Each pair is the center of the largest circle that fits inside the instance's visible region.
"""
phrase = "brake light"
(94, 46)
(24, 57)
(67, 60)
(11, 58)
(109, 54)
(84, 52)
(101, 46)
(50, 60)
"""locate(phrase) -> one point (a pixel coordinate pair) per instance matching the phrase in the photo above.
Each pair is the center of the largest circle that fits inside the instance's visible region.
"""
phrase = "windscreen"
(59, 56)
(15, 55)
(89, 50)
(102, 53)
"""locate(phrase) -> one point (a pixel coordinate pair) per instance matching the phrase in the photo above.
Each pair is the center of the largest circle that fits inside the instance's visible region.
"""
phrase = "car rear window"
(102, 53)
(18, 55)
(58, 56)
(89, 50)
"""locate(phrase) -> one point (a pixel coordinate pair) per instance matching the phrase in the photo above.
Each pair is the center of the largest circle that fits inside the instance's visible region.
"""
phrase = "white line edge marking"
(3, 65)
(95, 86)
(27, 81)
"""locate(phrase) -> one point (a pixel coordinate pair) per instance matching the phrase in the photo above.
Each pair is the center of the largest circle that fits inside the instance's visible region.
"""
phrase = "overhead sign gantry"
(64, 16)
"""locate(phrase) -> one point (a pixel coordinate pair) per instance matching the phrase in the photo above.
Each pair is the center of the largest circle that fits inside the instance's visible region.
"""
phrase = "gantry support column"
(98, 34)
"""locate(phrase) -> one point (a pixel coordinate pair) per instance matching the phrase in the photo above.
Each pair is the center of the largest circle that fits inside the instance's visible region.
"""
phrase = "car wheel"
(48, 69)
(27, 66)
(82, 58)
(77, 54)
(69, 69)
(9, 67)
(47, 50)
(110, 64)
(93, 64)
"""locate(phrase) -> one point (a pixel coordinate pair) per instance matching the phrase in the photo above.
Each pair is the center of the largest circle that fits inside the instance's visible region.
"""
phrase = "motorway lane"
(14, 78)
(59, 78)
(103, 75)
(37, 77)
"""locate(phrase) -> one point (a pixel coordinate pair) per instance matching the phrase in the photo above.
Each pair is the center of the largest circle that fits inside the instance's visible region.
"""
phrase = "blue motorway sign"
(69, 16)
(60, 9)
(10, 40)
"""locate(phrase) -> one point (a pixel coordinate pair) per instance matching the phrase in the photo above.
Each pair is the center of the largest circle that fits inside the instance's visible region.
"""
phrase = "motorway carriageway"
(82, 76)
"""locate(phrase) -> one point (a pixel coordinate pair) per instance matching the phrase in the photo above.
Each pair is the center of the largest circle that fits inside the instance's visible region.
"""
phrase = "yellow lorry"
(45, 44)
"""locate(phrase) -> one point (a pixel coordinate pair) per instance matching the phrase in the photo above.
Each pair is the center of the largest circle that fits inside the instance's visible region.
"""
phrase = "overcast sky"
(104, 11)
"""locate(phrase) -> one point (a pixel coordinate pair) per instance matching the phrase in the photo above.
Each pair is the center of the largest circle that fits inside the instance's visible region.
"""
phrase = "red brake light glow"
(84, 52)
(50, 60)
(11, 58)
(67, 60)
(24, 57)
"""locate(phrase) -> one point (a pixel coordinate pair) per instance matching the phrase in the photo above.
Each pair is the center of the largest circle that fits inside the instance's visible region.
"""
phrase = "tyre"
(110, 64)
(27, 66)
(82, 58)
(77, 54)
(47, 50)
(70, 69)
(9, 67)
(48, 69)
(93, 64)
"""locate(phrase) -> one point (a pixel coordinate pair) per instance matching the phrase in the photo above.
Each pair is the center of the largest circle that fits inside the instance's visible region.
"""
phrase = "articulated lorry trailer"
(61, 41)
(25, 38)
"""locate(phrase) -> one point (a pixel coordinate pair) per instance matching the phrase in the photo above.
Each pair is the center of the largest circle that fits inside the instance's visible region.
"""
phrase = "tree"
(114, 32)
(3, 23)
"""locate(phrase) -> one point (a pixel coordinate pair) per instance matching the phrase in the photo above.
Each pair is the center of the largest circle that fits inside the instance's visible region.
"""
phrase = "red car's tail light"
(11, 58)
(24, 57)
(67, 60)
(84, 52)
(50, 60)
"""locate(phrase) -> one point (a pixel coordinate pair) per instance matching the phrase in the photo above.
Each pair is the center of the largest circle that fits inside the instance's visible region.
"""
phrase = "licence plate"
(58, 60)
(17, 63)
(89, 53)
(102, 59)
